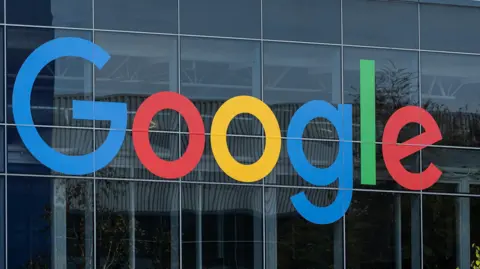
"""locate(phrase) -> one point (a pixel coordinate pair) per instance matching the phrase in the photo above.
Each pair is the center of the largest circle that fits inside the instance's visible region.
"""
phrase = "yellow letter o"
(225, 114)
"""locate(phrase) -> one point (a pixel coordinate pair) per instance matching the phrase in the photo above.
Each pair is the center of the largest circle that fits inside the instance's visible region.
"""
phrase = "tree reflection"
(300, 244)
(113, 229)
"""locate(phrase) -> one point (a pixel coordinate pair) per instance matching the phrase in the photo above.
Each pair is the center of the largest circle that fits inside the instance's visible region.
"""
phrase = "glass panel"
(68, 141)
(72, 13)
(450, 28)
(222, 226)
(396, 86)
(50, 223)
(58, 84)
(2, 149)
(439, 232)
(137, 224)
(472, 234)
(382, 179)
(221, 18)
(2, 11)
(474, 187)
(295, 74)
(3, 218)
(320, 154)
(293, 242)
(126, 163)
(380, 23)
(458, 167)
(314, 21)
(2, 79)
(140, 65)
(382, 230)
(450, 92)
(472, 3)
(144, 16)
(213, 71)
(245, 150)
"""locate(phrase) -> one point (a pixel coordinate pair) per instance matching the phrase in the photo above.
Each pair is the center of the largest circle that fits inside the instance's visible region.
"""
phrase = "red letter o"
(141, 142)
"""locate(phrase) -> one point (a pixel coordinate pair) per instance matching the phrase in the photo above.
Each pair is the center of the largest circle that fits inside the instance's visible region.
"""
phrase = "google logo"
(341, 118)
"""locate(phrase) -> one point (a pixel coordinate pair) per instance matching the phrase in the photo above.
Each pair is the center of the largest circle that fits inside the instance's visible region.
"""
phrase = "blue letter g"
(341, 169)
(86, 110)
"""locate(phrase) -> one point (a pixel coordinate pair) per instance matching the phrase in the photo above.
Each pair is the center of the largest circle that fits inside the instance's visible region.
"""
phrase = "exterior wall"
(284, 52)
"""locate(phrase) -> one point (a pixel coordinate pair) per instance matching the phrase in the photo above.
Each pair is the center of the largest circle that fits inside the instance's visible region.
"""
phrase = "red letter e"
(393, 153)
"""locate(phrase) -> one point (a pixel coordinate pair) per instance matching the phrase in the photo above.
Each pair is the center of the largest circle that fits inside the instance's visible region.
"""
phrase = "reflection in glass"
(450, 28)
(440, 241)
(296, 74)
(396, 82)
(222, 226)
(453, 2)
(471, 207)
(221, 18)
(72, 13)
(311, 20)
(69, 141)
(213, 71)
(384, 179)
(140, 65)
(54, 218)
(381, 23)
(58, 84)
(2, 10)
(320, 154)
(459, 168)
(126, 163)
(2, 150)
(293, 242)
(143, 16)
(450, 89)
(245, 150)
(383, 231)
(137, 224)
(3, 215)
(2, 79)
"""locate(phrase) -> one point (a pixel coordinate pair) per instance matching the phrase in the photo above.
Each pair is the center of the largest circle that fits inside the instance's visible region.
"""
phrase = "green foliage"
(476, 262)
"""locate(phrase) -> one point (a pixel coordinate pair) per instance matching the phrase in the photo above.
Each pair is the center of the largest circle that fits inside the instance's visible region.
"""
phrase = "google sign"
(341, 118)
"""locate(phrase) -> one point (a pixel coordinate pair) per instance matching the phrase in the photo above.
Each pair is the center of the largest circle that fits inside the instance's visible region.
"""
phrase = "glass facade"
(284, 52)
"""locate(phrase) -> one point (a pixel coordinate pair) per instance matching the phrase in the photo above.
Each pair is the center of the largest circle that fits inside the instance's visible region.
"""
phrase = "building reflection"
(125, 216)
